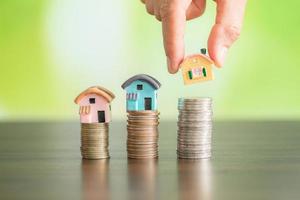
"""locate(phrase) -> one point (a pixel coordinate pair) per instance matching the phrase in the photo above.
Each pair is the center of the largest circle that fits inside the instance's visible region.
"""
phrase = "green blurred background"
(51, 50)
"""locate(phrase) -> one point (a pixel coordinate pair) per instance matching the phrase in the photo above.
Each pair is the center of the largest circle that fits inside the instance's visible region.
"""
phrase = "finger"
(156, 5)
(230, 14)
(149, 6)
(173, 24)
(195, 9)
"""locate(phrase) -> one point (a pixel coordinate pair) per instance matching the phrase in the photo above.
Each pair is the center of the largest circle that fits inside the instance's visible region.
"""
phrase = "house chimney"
(203, 51)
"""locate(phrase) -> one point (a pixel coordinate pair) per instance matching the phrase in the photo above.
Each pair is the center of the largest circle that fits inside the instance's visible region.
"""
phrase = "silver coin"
(194, 128)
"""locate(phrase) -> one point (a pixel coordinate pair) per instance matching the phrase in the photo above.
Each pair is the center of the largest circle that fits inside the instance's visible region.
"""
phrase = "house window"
(92, 100)
(204, 72)
(190, 74)
(139, 87)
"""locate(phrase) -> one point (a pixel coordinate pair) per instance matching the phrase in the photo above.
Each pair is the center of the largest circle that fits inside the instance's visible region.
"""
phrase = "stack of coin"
(142, 138)
(94, 140)
(194, 128)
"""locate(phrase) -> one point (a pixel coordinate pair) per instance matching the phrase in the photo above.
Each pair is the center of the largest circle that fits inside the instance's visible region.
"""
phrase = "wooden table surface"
(251, 160)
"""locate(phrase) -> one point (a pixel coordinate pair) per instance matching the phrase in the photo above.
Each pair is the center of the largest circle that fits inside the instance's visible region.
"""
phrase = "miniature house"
(94, 105)
(141, 92)
(197, 68)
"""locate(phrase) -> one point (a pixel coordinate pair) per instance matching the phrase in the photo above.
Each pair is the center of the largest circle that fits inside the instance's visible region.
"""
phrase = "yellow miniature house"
(197, 68)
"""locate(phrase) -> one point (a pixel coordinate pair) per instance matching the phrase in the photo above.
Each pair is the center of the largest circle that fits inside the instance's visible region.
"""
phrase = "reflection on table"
(95, 179)
(142, 176)
(195, 179)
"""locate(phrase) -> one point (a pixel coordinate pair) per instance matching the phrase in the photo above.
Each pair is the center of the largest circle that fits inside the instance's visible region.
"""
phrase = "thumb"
(226, 30)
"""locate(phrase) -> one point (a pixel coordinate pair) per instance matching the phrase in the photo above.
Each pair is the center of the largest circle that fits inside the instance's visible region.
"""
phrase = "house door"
(148, 103)
(101, 116)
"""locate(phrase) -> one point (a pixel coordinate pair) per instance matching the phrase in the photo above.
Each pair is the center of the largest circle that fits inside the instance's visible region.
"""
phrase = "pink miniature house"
(94, 105)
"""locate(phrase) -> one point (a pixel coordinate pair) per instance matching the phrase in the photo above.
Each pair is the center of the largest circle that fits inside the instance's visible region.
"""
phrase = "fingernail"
(170, 67)
(222, 57)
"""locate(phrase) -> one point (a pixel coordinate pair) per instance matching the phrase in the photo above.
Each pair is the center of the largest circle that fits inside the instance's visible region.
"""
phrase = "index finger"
(173, 16)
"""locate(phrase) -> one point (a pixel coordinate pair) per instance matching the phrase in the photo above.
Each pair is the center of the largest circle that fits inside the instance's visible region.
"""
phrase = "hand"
(173, 15)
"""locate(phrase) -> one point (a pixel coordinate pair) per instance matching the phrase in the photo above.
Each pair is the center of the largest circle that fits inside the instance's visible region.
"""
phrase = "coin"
(94, 140)
(194, 128)
(142, 134)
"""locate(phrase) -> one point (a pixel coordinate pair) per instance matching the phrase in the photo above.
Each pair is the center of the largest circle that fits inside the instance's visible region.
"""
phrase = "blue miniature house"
(141, 92)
